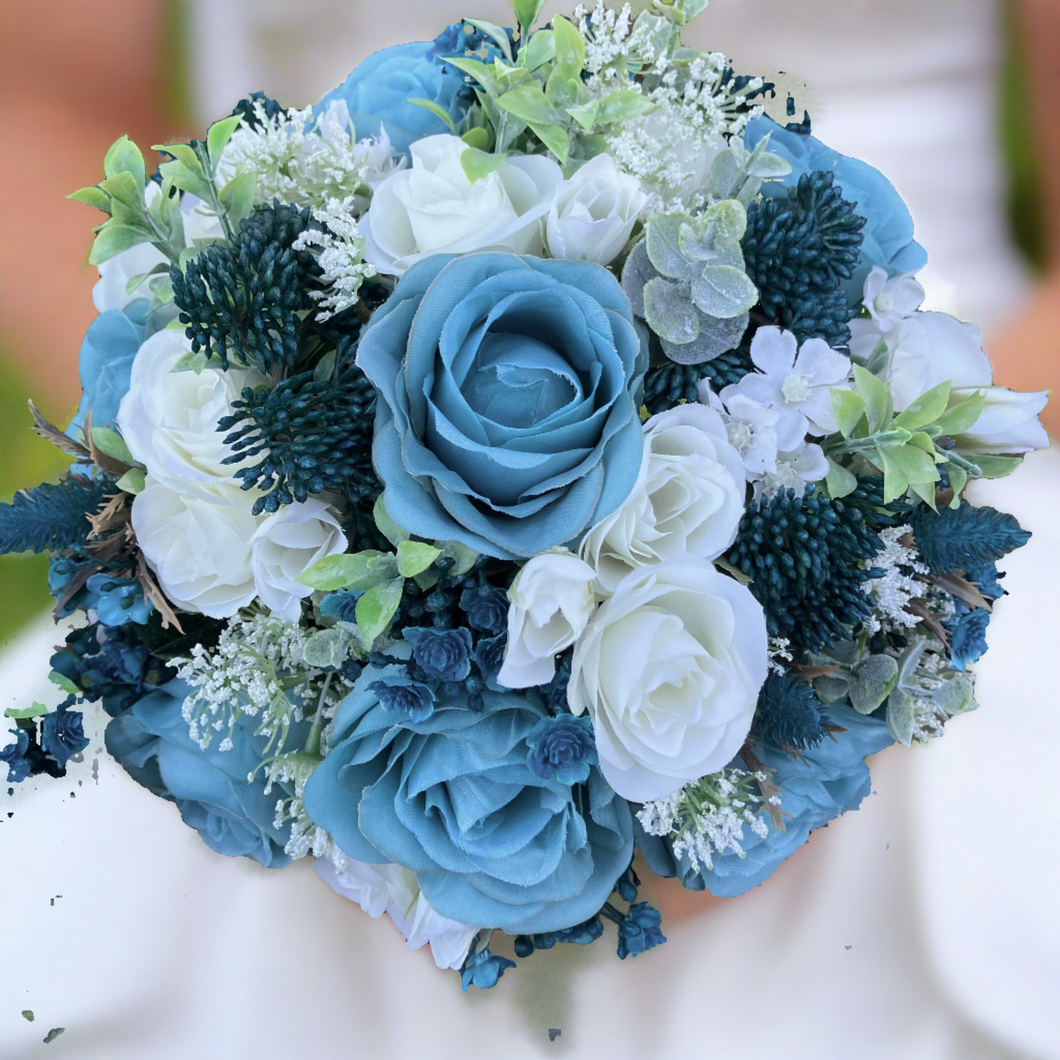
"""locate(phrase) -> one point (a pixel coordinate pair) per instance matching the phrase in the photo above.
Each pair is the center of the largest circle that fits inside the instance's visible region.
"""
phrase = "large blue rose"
(453, 799)
(232, 815)
(508, 388)
(379, 90)
(105, 364)
(888, 230)
(827, 780)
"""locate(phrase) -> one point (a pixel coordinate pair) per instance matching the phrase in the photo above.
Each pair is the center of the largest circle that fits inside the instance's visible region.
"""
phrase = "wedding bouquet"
(530, 455)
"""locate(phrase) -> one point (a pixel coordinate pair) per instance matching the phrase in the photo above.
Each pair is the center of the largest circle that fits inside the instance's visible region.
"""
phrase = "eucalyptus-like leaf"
(955, 695)
(716, 336)
(669, 310)
(218, 135)
(377, 607)
(662, 241)
(112, 239)
(327, 648)
(872, 681)
(723, 291)
(637, 271)
(124, 156)
(831, 688)
(901, 716)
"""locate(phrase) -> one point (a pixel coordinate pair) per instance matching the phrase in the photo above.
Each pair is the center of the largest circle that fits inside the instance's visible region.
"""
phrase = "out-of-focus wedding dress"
(924, 926)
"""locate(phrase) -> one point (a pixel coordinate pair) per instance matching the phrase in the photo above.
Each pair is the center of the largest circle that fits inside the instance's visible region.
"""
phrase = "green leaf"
(669, 311)
(622, 105)
(495, 33)
(124, 188)
(958, 480)
(926, 409)
(997, 466)
(872, 681)
(570, 48)
(387, 527)
(185, 178)
(327, 648)
(839, 481)
(125, 157)
(377, 607)
(477, 164)
(877, 397)
(962, 416)
(218, 135)
(438, 112)
(34, 711)
(555, 139)
(112, 239)
(526, 12)
(479, 72)
(585, 113)
(325, 368)
(133, 481)
(529, 104)
(478, 138)
(92, 196)
(901, 716)
(414, 557)
(540, 50)
(916, 465)
(182, 153)
(237, 197)
(723, 291)
(64, 682)
(361, 570)
(463, 557)
(111, 444)
(849, 407)
(895, 483)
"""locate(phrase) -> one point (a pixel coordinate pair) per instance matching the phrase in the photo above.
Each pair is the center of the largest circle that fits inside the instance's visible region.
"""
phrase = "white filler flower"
(689, 497)
(594, 212)
(551, 600)
(392, 889)
(669, 669)
(169, 419)
(433, 208)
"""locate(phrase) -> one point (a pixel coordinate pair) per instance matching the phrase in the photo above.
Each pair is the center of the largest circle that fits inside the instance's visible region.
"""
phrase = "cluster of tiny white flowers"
(898, 585)
(306, 837)
(779, 654)
(709, 816)
(295, 158)
(257, 664)
(339, 249)
(607, 36)
(930, 718)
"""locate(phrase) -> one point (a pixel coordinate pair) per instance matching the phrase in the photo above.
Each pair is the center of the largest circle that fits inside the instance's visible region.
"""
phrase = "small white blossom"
(891, 593)
(890, 300)
(795, 470)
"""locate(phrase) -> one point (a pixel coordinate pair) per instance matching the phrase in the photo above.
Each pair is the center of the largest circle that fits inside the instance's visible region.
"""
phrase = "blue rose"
(452, 799)
(888, 233)
(507, 417)
(62, 734)
(105, 364)
(816, 787)
(233, 816)
(379, 91)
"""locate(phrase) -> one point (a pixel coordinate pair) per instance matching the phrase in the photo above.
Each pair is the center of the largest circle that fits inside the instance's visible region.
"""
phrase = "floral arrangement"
(530, 455)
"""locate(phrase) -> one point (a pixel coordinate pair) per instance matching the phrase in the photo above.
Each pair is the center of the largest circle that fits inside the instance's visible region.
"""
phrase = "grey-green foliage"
(921, 696)
(737, 173)
(686, 278)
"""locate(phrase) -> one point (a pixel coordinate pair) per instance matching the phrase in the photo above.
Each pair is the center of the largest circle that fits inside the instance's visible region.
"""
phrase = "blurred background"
(949, 99)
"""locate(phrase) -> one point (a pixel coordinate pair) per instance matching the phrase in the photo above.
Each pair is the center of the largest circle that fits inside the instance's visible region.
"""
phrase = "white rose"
(392, 889)
(1008, 424)
(669, 669)
(924, 350)
(284, 545)
(551, 601)
(689, 497)
(593, 213)
(199, 551)
(432, 208)
(169, 419)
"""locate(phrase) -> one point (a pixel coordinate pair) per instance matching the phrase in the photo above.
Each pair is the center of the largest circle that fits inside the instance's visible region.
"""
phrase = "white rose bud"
(284, 546)
(433, 208)
(689, 497)
(169, 419)
(198, 549)
(551, 601)
(1008, 424)
(594, 212)
(392, 889)
(669, 669)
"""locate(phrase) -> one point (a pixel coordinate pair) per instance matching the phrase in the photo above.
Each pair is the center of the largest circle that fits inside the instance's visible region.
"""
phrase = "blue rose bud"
(63, 735)
(562, 747)
(402, 695)
(444, 654)
(484, 970)
(638, 930)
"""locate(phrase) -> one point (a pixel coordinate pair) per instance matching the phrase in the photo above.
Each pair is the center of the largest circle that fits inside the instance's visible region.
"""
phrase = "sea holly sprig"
(686, 278)
(909, 448)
